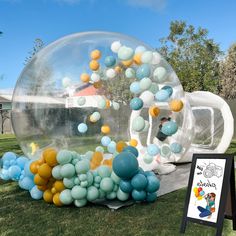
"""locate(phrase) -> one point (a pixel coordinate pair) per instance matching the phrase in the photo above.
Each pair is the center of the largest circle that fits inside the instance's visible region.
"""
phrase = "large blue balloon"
(131, 149)
(153, 184)
(139, 182)
(10, 156)
(125, 165)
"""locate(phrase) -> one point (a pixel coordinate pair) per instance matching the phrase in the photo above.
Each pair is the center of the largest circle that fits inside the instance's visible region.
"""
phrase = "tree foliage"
(228, 74)
(193, 56)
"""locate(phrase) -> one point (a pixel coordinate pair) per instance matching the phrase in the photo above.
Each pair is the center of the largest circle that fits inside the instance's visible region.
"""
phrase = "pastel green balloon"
(104, 171)
(99, 149)
(80, 203)
(125, 53)
(65, 197)
(89, 155)
(56, 172)
(98, 179)
(96, 116)
(81, 101)
(64, 157)
(92, 193)
(69, 182)
(160, 74)
(111, 195)
(146, 127)
(89, 178)
(82, 167)
(67, 171)
(122, 196)
(82, 177)
(115, 178)
(102, 194)
(147, 158)
(165, 151)
(130, 73)
(101, 103)
(107, 184)
(147, 57)
(138, 124)
(115, 188)
(97, 185)
(154, 88)
(76, 181)
(84, 183)
(145, 83)
(78, 192)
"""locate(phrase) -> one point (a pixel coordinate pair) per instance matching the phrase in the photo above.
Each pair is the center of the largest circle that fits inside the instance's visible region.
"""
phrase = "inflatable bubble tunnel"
(96, 113)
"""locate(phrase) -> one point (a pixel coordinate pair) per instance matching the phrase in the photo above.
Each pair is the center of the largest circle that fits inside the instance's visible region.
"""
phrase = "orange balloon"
(154, 111)
(85, 77)
(56, 199)
(108, 103)
(42, 188)
(133, 142)
(105, 129)
(50, 157)
(93, 166)
(120, 146)
(34, 167)
(176, 105)
(94, 65)
(59, 186)
(41, 161)
(45, 171)
(48, 196)
(127, 63)
(97, 84)
(118, 69)
(97, 158)
(38, 180)
(137, 59)
(95, 54)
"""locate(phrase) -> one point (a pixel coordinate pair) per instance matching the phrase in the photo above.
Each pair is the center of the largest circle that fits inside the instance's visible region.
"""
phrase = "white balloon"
(95, 77)
(156, 58)
(147, 97)
(115, 46)
(147, 57)
(110, 73)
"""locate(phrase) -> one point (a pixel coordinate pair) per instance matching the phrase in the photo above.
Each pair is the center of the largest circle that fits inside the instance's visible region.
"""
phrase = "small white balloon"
(147, 57)
(115, 46)
(110, 73)
(147, 97)
(156, 58)
(115, 105)
(95, 77)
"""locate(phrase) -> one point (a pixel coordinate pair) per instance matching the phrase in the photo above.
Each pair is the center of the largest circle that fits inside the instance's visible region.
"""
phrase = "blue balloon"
(111, 147)
(143, 71)
(125, 165)
(21, 161)
(176, 147)
(36, 193)
(139, 182)
(4, 174)
(202, 193)
(169, 128)
(151, 197)
(105, 140)
(9, 156)
(153, 184)
(26, 183)
(135, 88)
(169, 89)
(136, 104)
(138, 195)
(27, 169)
(82, 128)
(126, 186)
(153, 149)
(110, 61)
(14, 172)
(162, 95)
(131, 149)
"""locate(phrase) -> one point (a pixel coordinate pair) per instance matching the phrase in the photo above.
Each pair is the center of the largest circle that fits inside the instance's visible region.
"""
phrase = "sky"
(22, 21)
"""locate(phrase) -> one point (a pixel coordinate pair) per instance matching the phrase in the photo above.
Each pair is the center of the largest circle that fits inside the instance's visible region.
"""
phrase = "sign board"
(211, 185)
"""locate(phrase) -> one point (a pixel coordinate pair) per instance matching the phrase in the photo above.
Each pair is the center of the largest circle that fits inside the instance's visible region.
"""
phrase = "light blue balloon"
(67, 170)
(14, 172)
(27, 183)
(135, 88)
(140, 49)
(82, 128)
(169, 89)
(65, 197)
(169, 128)
(21, 161)
(125, 53)
(9, 156)
(143, 71)
(4, 174)
(153, 149)
(111, 147)
(56, 172)
(202, 193)
(147, 158)
(81, 101)
(102, 102)
(35, 193)
(27, 169)
(176, 147)
(162, 96)
(105, 141)
(110, 61)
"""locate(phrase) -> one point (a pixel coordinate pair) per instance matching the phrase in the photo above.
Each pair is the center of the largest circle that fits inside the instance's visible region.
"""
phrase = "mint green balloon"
(78, 192)
(130, 73)
(82, 167)
(74, 161)
(101, 103)
(84, 183)
(125, 53)
(115, 188)
(147, 57)
(154, 88)
(81, 101)
(82, 177)
(98, 179)
(104, 171)
(107, 184)
(111, 195)
(64, 157)
(102, 194)
(147, 158)
(69, 182)
(138, 124)
(65, 197)
(146, 127)
(80, 203)
(160, 74)
(99, 149)
(89, 178)
(67, 170)
(89, 155)
(92, 193)
(122, 196)
(115, 178)
(76, 181)
(56, 172)
(145, 83)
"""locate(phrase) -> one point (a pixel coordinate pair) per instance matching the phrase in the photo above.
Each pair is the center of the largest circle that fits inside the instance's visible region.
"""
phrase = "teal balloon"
(67, 171)
(35, 193)
(92, 193)
(153, 184)
(169, 89)
(111, 196)
(78, 192)
(139, 182)
(162, 95)
(125, 53)
(107, 184)
(176, 148)
(135, 88)
(125, 186)
(143, 71)
(116, 179)
(160, 74)
(80, 203)
(125, 165)
(82, 167)
(169, 128)
(122, 196)
(69, 182)
(110, 61)
(131, 149)
(151, 197)
(56, 172)
(139, 195)
(145, 83)
(104, 171)
(136, 103)
(64, 157)
(66, 197)
(149, 173)
(84, 184)
(138, 124)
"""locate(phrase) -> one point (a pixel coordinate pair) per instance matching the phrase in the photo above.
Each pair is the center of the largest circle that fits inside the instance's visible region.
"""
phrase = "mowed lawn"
(20, 215)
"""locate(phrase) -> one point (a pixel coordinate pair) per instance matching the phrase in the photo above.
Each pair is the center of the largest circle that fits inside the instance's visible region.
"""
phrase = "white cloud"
(157, 5)
(7, 91)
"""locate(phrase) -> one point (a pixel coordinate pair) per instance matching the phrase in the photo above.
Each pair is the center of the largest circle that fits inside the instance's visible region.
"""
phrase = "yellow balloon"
(45, 171)
(105, 129)
(133, 142)
(48, 196)
(95, 54)
(176, 105)
(56, 199)
(199, 197)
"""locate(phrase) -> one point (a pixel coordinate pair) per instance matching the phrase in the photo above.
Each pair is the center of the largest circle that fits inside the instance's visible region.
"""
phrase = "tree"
(193, 56)
(228, 74)
(4, 114)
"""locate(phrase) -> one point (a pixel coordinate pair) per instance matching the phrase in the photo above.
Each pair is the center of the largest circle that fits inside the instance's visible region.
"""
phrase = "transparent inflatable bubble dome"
(90, 91)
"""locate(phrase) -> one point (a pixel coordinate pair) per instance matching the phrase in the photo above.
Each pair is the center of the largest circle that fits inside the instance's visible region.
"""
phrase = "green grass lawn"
(20, 215)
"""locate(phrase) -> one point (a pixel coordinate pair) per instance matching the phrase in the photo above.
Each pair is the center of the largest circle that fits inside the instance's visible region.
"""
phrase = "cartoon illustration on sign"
(212, 170)
(210, 207)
